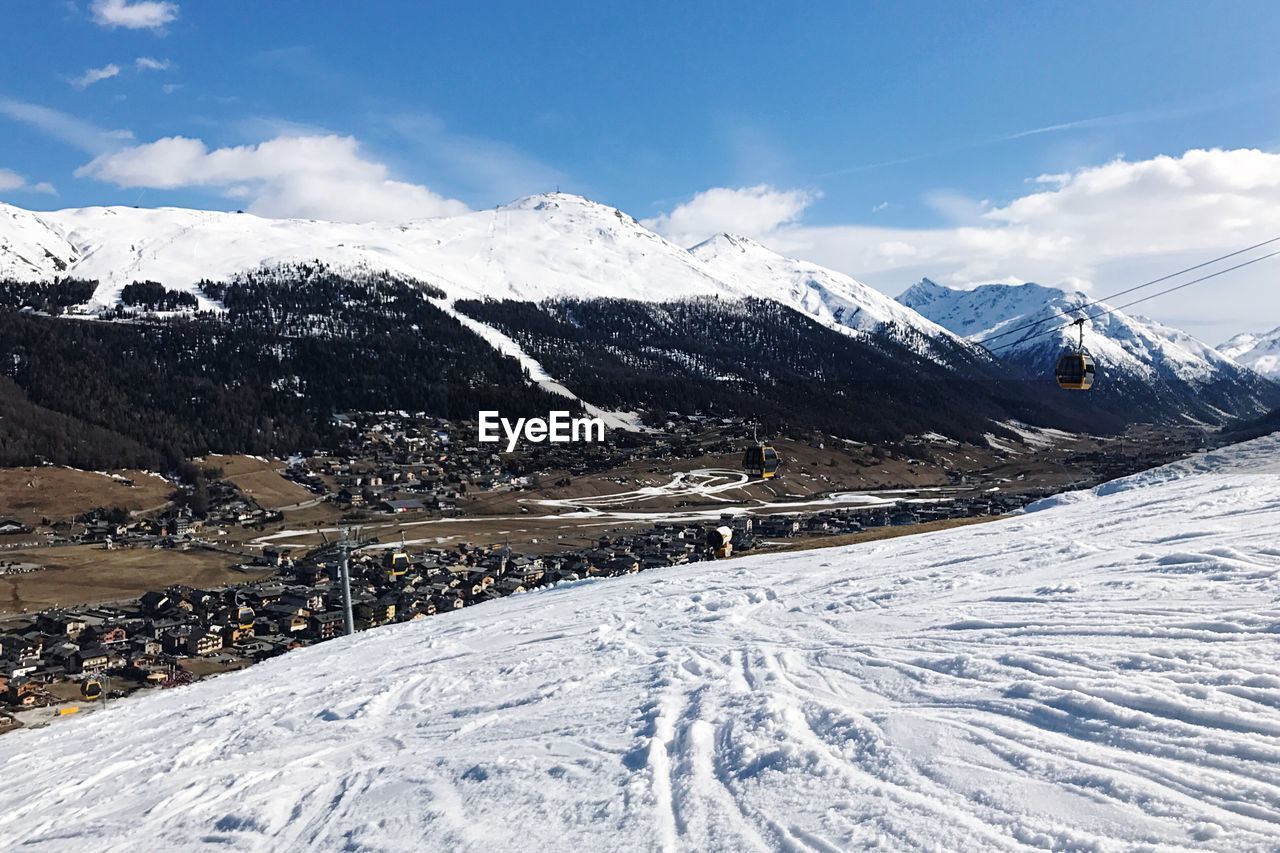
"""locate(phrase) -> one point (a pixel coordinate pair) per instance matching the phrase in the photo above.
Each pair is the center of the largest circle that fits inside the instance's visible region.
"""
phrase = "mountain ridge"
(563, 246)
(1259, 352)
(1144, 366)
(550, 245)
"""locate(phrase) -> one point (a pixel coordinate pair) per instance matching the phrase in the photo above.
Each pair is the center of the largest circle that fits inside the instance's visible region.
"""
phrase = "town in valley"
(234, 559)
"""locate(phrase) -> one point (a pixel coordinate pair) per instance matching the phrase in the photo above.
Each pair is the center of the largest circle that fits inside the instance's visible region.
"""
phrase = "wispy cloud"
(1192, 107)
(1081, 124)
(74, 131)
(473, 165)
(95, 75)
(11, 181)
(147, 63)
(136, 15)
(742, 211)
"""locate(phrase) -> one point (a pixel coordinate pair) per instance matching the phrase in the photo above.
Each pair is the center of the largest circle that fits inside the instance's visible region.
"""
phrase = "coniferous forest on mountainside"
(762, 360)
(294, 345)
(291, 349)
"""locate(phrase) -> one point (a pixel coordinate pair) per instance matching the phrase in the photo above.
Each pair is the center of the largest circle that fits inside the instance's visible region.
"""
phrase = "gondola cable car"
(396, 561)
(1075, 370)
(245, 614)
(91, 689)
(761, 461)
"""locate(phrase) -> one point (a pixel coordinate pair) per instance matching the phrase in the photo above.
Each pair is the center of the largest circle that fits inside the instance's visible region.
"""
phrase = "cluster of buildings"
(390, 464)
(152, 640)
(393, 463)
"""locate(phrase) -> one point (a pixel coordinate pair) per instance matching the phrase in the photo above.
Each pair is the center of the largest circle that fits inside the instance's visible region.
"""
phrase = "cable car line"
(1114, 308)
(1087, 305)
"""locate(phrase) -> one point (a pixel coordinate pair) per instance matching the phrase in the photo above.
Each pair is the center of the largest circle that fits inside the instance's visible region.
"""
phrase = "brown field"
(875, 534)
(260, 480)
(81, 574)
(30, 494)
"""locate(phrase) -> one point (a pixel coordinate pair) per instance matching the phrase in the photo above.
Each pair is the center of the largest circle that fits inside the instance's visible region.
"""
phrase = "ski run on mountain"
(1099, 673)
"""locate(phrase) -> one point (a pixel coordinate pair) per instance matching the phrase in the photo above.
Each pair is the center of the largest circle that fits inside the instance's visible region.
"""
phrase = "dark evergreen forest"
(294, 347)
(762, 360)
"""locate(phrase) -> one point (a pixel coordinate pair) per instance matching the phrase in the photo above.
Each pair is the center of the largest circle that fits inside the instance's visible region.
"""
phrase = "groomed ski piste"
(1100, 673)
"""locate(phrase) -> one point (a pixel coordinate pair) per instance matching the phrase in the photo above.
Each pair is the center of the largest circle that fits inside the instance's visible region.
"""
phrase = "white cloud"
(749, 211)
(147, 63)
(95, 75)
(11, 181)
(1103, 227)
(1202, 200)
(137, 15)
(320, 177)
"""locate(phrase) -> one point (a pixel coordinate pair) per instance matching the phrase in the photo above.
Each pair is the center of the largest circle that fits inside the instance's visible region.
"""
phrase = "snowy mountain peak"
(1260, 352)
(1028, 324)
(553, 201)
(726, 242)
(988, 309)
(831, 297)
(542, 246)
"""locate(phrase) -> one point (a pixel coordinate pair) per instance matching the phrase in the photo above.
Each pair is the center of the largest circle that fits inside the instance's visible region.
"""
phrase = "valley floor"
(1100, 673)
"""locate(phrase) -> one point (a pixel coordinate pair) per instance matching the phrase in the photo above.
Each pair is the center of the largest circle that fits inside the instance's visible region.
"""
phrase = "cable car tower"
(345, 544)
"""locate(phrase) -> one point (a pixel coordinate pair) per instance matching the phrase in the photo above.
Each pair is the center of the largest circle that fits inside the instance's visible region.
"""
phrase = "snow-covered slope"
(1099, 674)
(1136, 344)
(1261, 353)
(551, 245)
(831, 297)
(1132, 352)
(30, 248)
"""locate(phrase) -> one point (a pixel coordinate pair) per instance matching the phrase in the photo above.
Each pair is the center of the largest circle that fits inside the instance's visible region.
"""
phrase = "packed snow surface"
(1100, 673)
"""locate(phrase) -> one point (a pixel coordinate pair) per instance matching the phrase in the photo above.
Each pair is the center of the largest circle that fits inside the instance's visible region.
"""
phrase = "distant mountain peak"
(1140, 360)
(727, 241)
(1260, 352)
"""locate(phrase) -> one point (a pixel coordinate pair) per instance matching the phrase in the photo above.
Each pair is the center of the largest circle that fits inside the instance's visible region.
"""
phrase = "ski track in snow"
(1100, 673)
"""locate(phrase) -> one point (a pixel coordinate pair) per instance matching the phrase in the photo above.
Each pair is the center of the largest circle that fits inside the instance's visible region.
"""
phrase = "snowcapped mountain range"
(831, 297)
(1028, 324)
(1260, 352)
(539, 247)
(559, 245)
(1093, 675)
(1136, 344)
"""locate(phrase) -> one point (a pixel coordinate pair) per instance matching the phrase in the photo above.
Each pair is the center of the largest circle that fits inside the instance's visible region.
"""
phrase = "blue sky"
(838, 124)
